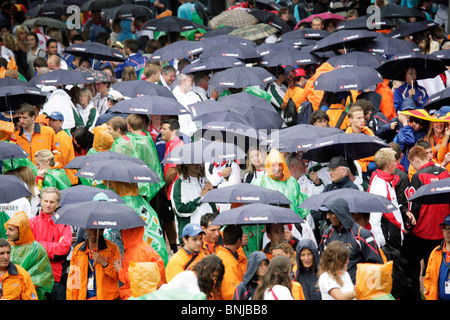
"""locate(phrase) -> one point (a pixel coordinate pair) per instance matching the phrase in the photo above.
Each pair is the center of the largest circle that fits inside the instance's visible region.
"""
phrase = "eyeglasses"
(445, 229)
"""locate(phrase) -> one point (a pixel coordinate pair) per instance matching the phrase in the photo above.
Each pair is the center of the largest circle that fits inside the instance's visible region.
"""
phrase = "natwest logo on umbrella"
(104, 223)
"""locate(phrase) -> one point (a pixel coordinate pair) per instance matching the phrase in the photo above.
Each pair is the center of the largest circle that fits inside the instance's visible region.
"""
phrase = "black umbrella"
(178, 50)
(383, 45)
(47, 10)
(138, 88)
(267, 5)
(348, 78)
(271, 19)
(45, 22)
(224, 30)
(12, 188)
(270, 48)
(438, 100)
(426, 65)
(231, 49)
(9, 150)
(364, 23)
(127, 11)
(305, 33)
(298, 43)
(118, 170)
(204, 151)
(255, 214)
(172, 24)
(246, 193)
(290, 57)
(436, 192)
(95, 50)
(81, 161)
(344, 39)
(61, 77)
(410, 28)
(11, 97)
(356, 59)
(443, 55)
(82, 193)
(393, 11)
(225, 38)
(13, 82)
(241, 77)
(226, 115)
(292, 139)
(358, 201)
(155, 105)
(91, 5)
(212, 63)
(230, 132)
(351, 146)
(98, 215)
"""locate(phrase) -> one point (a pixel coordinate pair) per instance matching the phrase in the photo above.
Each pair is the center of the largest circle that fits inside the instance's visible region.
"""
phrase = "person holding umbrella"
(48, 175)
(410, 89)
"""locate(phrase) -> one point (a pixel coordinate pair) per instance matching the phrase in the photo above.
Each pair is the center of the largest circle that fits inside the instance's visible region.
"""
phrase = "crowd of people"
(181, 253)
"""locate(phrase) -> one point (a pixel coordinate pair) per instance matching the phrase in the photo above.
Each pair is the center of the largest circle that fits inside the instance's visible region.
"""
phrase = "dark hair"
(34, 35)
(131, 44)
(317, 115)
(207, 218)
(398, 150)
(231, 234)
(26, 108)
(4, 243)
(423, 143)
(173, 124)
(84, 139)
(204, 269)
(40, 62)
(49, 41)
(102, 37)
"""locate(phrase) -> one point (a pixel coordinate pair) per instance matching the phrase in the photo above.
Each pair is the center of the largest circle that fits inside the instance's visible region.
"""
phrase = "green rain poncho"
(56, 178)
(31, 255)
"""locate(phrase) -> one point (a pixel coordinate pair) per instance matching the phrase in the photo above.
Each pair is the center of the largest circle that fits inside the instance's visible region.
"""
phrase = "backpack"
(304, 112)
(290, 113)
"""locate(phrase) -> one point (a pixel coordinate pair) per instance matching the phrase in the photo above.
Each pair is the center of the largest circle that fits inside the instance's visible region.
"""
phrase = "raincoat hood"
(103, 140)
(123, 188)
(276, 157)
(307, 244)
(254, 259)
(132, 237)
(341, 209)
(20, 220)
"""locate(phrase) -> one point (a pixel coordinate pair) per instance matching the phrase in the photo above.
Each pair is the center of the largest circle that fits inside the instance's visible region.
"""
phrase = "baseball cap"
(192, 230)
(446, 221)
(114, 95)
(408, 104)
(299, 72)
(442, 112)
(337, 162)
(56, 115)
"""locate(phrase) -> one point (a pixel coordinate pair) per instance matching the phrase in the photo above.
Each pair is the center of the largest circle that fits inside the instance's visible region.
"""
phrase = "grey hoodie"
(307, 277)
(246, 289)
(360, 241)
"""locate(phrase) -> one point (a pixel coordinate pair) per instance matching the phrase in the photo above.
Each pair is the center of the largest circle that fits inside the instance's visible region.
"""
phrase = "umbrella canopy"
(358, 201)
(289, 56)
(426, 65)
(246, 193)
(255, 32)
(231, 132)
(138, 88)
(225, 38)
(226, 115)
(204, 151)
(98, 215)
(83, 193)
(270, 18)
(11, 97)
(364, 24)
(231, 49)
(155, 105)
(118, 170)
(233, 18)
(292, 138)
(352, 146)
(383, 45)
(45, 22)
(241, 77)
(305, 33)
(171, 24)
(81, 161)
(393, 11)
(437, 100)
(257, 213)
(271, 48)
(224, 30)
(98, 75)
(100, 4)
(344, 39)
(212, 63)
(9, 150)
(12, 188)
(436, 192)
(126, 11)
(61, 77)
(356, 59)
(443, 55)
(178, 50)
(348, 78)
(13, 82)
(47, 10)
(95, 50)
(411, 28)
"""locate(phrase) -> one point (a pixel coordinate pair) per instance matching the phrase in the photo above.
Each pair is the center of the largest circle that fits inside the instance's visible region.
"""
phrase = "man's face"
(333, 219)
(52, 48)
(101, 87)
(115, 134)
(316, 24)
(166, 133)
(194, 244)
(56, 125)
(169, 77)
(390, 167)
(337, 174)
(5, 256)
(358, 120)
(25, 120)
(416, 126)
(429, 152)
(12, 232)
(276, 233)
(49, 202)
(212, 233)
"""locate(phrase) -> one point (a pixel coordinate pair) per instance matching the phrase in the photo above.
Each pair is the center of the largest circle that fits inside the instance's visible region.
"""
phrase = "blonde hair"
(129, 74)
(383, 156)
(45, 155)
(333, 260)
(27, 175)
(249, 167)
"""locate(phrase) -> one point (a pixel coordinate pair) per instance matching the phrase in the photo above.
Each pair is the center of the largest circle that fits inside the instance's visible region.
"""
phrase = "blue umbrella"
(394, 11)
(62, 77)
(155, 105)
(246, 193)
(231, 132)
(118, 170)
(241, 77)
(224, 30)
(356, 59)
(9, 150)
(358, 201)
(137, 88)
(211, 42)
(81, 161)
(436, 192)
(98, 215)
(290, 57)
(12, 96)
(270, 48)
(212, 63)
(438, 100)
(443, 55)
(204, 151)
(305, 33)
(178, 50)
(343, 39)
(231, 49)
(362, 23)
(95, 50)
(224, 115)
(348, 78)
(255, 214)
(383, 45)
(410, 28)
(12, 188)
(83, 193)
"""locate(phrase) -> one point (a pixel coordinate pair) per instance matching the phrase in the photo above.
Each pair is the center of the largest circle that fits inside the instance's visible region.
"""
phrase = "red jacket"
(55, 238)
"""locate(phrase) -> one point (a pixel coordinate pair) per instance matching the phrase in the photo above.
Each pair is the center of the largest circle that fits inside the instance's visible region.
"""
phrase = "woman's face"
(31, 41)
(256, 158)
(22, 36)
(307, 258)
(40, 164)
(438, 127)
(84, 99)
(411, 75)
(194, 169)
